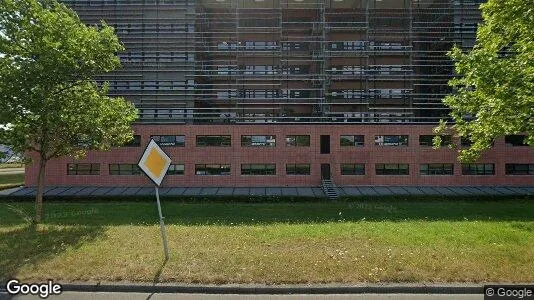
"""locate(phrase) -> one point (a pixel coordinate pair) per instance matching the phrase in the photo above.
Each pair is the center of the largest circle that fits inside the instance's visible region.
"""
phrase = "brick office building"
(289, 92)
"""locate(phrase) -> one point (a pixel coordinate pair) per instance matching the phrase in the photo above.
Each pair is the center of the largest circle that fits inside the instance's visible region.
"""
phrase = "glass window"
(212, 169)
(298, 140)
(428, 140)
(124, 169)
(214, 141)
(176, 169)
(135, 142)
(258, 141)
(351, 141)
(169, 140)
(515, 140)
(391, 140)
(392, 169)
(352, 169)
(258, 169)
(478, 169)
(83, 169)
(436, 169)
(465, 142)
(519, 169)
(298, 169)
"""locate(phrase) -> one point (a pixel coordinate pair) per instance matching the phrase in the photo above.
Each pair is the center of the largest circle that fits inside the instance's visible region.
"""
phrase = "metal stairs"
(330, 189)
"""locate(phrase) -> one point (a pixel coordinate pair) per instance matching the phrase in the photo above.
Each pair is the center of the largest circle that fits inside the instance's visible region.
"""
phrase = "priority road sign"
(155, 163)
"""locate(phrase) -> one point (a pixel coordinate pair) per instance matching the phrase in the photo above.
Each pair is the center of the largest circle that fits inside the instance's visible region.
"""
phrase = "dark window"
(258, 141)
(465, 142)
(176, 169)
(83, 169)
(519, 169)
(298, 140)
(124, 169)
(392, 169)
(515, 140)
(212, 169)
(351, 141)
(214, 141)
(135, 142)
(478, 169)
(325, 144)
(258, 169)
(352, 169)
(436, 169)
(428, 140)
(298, 169)
(169, 140)
(391, 140)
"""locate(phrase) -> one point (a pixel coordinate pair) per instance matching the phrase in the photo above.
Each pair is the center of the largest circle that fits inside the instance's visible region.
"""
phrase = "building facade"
(289, 92)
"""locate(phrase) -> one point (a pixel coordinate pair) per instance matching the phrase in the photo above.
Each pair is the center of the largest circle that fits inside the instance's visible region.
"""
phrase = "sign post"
(155, 163)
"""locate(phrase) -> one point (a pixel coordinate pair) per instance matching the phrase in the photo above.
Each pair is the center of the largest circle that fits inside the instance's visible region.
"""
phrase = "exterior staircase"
(330, 189)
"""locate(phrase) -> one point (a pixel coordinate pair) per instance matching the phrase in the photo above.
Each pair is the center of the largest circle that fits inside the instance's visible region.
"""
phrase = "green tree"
(494, 90)
(49, 99)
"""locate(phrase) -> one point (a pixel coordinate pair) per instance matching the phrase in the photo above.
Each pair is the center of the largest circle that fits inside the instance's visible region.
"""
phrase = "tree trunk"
(40, 191)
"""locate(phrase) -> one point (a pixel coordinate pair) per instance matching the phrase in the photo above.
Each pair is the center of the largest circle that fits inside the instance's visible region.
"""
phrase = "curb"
(275, 289)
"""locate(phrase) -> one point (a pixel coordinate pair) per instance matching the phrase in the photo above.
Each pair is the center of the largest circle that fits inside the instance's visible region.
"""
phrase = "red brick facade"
(414, 155)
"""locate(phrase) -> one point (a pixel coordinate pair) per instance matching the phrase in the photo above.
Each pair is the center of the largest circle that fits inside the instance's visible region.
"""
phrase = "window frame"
(351, 166)
(221, 144)
(172, 171)
(443, 169)
(220, 167)
(513, 140)
(244, 142)
(469, 167)
(446, 140)
(353, 142)
(94, 169)
(293, 169)
(400, 139)
(135, 142)
(397, 173)
(529, 169)
(175, 143)
(298, 139)
(133, 169)
(268, 169)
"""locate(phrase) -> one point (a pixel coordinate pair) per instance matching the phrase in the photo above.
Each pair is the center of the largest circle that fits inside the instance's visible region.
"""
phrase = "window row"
(304, 169)
(304, 140)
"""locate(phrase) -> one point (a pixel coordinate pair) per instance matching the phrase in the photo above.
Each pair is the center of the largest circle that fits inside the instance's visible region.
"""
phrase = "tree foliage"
(494, 90)
(48, 95)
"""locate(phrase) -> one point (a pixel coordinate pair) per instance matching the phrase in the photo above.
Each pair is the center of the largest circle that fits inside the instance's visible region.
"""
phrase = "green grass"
(393, 240)
(11, 180)
(14, 165)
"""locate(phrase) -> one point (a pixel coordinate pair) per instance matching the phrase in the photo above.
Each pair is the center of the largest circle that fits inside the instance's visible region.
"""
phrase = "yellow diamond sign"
(154, 162)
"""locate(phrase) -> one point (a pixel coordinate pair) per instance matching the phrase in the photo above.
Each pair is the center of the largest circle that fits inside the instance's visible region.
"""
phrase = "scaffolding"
(285, 61)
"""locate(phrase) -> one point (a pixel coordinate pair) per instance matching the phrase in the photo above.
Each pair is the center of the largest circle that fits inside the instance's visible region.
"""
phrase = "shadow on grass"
(103, 213)
(31, 244)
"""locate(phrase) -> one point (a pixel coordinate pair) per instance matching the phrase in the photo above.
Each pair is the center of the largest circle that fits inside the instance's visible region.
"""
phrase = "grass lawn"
(8, 166)
(385, 240)
(11, 180)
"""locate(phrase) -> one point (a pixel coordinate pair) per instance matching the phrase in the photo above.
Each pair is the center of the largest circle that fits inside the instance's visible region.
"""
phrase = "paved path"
(143, 296)
(92, 191)
(11, 171)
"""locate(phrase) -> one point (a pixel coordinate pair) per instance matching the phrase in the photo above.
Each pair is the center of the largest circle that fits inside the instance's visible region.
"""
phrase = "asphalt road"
(144, 296)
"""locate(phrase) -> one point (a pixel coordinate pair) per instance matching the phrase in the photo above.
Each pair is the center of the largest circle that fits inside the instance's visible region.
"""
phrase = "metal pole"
(162, 225)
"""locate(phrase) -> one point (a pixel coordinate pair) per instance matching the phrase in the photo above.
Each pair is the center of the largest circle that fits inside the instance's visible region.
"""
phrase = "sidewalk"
(91, 191)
